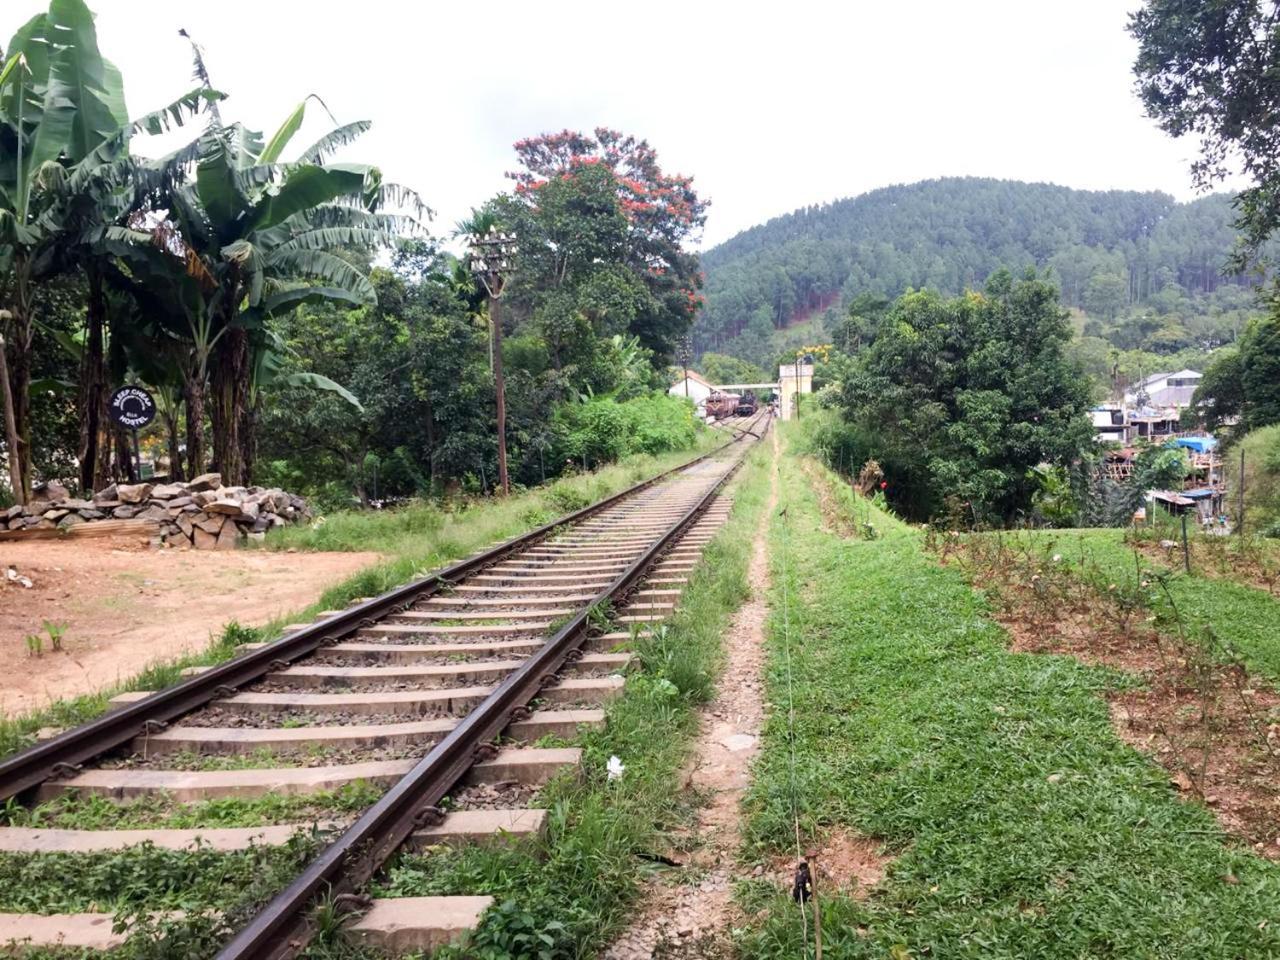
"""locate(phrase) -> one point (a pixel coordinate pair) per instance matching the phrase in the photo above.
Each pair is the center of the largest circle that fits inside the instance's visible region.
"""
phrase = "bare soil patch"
(846, 863)
(125, 605)
(1211, 753)
(834, 519)
(850, 863)
(1211, 725)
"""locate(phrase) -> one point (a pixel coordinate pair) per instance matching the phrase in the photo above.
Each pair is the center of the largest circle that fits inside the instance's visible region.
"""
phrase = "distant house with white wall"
(1162, 390)
(693, 386)
(1108, 423)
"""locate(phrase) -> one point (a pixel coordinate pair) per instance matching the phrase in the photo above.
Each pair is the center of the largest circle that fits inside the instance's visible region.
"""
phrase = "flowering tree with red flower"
(643, 228)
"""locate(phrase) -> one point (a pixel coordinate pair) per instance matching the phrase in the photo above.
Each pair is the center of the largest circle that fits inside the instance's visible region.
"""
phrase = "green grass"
(1021, 826)
(416, 541)
(1245, 618)
(431, 535)
(146, 875)
(141, 886)
(870, 521)
(70, 812)
(566, 895)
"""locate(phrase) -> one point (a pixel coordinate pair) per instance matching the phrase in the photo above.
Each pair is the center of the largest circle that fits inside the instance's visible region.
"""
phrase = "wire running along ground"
(791, 705)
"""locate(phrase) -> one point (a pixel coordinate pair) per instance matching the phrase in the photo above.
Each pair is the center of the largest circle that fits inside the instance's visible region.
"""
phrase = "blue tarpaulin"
(1201, 494)
(1198, 444)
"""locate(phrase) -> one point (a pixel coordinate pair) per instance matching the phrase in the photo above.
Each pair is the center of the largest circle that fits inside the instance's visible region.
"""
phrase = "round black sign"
(132, 407)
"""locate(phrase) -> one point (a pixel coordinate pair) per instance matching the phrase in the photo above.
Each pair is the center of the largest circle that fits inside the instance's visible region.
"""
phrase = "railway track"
(433, 690)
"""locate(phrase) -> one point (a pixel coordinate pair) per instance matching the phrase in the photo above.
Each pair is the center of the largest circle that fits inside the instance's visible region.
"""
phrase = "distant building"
(793, 379)
(1108, 423)
(695, 387)
(1163, 390)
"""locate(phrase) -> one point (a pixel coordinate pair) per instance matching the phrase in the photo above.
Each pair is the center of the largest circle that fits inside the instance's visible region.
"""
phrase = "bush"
(1261, 449)
(659, 423)
(602, 430)
(845, 447)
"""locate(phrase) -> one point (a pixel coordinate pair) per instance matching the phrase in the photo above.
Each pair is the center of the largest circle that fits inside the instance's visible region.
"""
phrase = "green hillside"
(1144, 271)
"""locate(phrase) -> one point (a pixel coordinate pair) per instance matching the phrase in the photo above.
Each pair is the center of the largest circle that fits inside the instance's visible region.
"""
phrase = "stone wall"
(201, 513)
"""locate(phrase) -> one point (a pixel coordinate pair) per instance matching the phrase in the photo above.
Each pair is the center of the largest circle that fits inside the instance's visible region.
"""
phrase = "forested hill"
(1109, 251)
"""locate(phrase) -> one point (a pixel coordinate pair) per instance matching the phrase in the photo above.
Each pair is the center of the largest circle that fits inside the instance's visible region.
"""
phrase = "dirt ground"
(125, 605)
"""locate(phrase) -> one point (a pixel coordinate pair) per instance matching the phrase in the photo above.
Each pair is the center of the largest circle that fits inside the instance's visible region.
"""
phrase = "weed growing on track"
(1022, 827)
(217, 892)
(98, 813)
(418, 538)
(193, 879)
(563, 897)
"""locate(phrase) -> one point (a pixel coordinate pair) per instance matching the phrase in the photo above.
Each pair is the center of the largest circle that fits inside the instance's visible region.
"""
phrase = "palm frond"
(317, 381)
(187, 106)
(322, 266)
(327, 238)
(333, 141)
(185, 206)
(296, 295)
(249, 259)
(275, 146)
(201, 73)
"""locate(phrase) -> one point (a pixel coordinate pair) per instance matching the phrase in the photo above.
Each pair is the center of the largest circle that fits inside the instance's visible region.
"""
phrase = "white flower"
(1057, 558)
(615, 768)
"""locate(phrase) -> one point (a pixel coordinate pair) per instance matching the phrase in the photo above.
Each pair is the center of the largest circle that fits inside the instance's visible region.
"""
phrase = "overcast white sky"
(769, 106)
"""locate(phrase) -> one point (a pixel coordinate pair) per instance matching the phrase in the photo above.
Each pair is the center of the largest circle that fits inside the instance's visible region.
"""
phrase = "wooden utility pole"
(492, 255)
(1186, 547)
(686, 354)
(795, 395)
(500, 388)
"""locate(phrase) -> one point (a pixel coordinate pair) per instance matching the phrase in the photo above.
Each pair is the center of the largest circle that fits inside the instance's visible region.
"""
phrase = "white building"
(1108, 423)
(1162, 390)
(695, 387)
(793, 379)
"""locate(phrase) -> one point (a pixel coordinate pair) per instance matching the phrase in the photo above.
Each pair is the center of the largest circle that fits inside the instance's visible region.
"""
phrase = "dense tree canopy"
(1244, 383)
(608, 230)
(719, 369)
(1149, 272)
(1211, 70)
(235, 279)
(960, 397)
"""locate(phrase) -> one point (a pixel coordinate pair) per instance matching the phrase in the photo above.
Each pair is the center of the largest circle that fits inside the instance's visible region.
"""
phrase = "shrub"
(601, 430)
(1261, 449)
(659, 423)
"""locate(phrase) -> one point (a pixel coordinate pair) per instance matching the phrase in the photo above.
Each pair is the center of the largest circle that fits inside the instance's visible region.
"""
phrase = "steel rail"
(283, 928)
(63, 754)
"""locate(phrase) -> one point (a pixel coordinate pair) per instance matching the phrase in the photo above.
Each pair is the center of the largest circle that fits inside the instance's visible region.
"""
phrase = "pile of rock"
(201, 513)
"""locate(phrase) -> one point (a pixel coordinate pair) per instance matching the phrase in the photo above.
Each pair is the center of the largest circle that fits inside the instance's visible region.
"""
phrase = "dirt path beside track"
(691, 919)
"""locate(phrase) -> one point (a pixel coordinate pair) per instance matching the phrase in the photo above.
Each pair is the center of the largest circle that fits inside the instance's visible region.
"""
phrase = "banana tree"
(259, 236)
(59, 102)
(67, 182)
